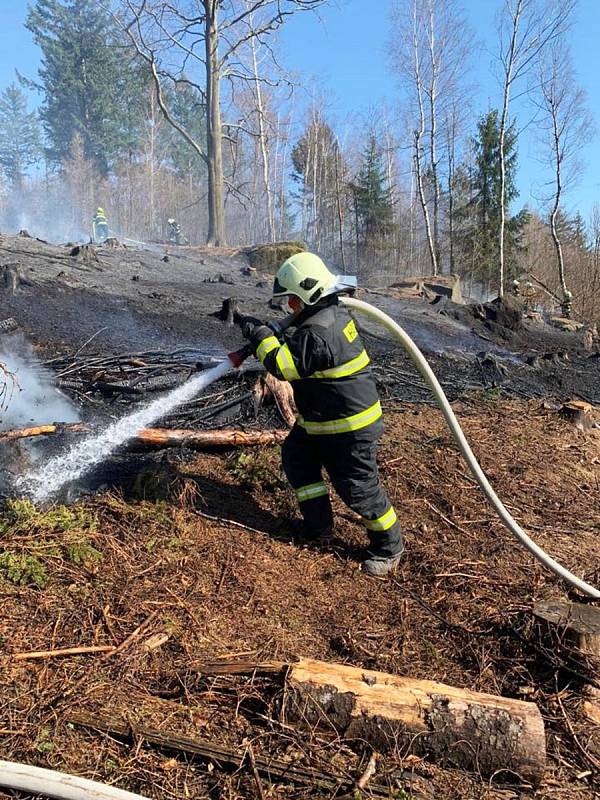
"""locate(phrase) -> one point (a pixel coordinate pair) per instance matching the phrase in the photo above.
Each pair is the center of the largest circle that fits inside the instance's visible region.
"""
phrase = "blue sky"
(344, 49)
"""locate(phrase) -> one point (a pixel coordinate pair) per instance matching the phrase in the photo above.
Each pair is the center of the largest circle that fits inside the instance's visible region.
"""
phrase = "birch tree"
(566, 127)
(525, 29)
(430, 48)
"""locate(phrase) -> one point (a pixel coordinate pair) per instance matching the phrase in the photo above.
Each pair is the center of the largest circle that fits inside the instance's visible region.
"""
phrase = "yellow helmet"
(305, 276)
(99, 210)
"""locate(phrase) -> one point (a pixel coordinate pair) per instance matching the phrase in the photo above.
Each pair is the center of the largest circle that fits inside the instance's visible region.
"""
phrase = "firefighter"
(175, 234)
(341, 418)
(100, 226)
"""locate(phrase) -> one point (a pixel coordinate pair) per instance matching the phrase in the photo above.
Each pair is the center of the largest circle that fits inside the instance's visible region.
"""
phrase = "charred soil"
(194, 559)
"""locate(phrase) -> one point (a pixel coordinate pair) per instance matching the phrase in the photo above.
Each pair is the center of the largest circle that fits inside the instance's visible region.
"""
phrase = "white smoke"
(30, 395)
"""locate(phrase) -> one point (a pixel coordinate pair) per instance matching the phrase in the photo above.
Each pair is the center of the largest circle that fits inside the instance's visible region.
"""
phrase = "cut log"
(495, 736)
(43, 430)
(163, 437)
(579, 624)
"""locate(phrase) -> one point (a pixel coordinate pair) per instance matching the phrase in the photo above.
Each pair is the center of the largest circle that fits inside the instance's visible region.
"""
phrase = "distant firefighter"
(175, 234)
(100, 226)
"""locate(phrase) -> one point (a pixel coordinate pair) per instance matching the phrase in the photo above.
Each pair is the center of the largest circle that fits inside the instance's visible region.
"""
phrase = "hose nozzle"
(237, 357)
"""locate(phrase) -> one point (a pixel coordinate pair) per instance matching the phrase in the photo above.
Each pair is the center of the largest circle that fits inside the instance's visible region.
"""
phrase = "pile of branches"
(130, 378)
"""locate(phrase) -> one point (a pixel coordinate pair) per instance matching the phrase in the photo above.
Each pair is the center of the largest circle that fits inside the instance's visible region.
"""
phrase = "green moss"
(259, 469)
(21, 516)
(82, 552)
(22, 570)
(269, 257)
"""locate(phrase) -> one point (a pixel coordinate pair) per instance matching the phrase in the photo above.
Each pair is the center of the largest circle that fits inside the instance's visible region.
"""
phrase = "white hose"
(58, 784)
(421, 364)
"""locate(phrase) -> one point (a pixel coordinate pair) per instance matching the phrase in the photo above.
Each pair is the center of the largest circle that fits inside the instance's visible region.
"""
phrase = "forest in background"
(184, 109)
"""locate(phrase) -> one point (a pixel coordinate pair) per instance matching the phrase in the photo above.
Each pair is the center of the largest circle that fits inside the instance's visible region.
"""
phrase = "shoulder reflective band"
(344, 370)
(311, 491)
(383, 523)
(266, 346)
(285, 362)
(353, 423)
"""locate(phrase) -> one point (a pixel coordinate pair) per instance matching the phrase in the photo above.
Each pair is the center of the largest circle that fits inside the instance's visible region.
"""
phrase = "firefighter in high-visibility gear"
(100, 226)
(340, 419)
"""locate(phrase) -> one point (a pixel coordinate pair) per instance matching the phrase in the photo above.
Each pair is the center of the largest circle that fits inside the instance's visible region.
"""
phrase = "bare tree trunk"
(419, 176)
(214, 131)
(263, 142)
(451, 135)
(339, 205)
(433, 88)
(316, 203)
(508, 79)
(418, 136)
(553, 228)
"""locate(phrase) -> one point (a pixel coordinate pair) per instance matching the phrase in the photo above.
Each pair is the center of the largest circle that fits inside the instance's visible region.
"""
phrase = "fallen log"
(275, 770)
(162, 437)
(43, 430)
(495, 736)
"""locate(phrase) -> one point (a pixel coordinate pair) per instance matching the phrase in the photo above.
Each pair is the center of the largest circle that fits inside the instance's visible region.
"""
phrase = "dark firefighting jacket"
(328, 366)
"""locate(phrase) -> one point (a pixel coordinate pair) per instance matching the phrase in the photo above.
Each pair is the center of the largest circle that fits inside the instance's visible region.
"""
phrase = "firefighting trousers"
(350, 461)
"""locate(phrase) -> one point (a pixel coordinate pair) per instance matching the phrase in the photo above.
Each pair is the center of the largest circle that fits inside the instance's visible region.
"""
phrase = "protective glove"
(248, 325)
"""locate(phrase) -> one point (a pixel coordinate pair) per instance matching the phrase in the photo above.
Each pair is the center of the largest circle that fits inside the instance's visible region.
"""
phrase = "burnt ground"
(237, 584)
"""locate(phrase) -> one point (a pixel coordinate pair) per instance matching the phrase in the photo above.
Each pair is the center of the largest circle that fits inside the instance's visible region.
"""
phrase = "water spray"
(46, 481)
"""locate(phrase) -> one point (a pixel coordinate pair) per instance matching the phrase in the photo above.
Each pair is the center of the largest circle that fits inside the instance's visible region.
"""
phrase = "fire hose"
(428, 375)
(58, 784)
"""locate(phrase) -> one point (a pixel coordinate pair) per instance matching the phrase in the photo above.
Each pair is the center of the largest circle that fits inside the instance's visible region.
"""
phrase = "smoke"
(30, 395)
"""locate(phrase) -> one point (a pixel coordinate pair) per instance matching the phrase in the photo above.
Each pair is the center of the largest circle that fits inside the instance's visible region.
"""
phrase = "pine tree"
(90, 82)
(189, 110)
(373, 199)
(19, 135)
(480, 216)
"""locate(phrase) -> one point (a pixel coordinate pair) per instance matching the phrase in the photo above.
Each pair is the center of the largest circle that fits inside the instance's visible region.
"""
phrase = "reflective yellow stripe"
(311, 491)
(285, 362)
(384, 522)
(265, 347)
(349, 368)
(353, 423)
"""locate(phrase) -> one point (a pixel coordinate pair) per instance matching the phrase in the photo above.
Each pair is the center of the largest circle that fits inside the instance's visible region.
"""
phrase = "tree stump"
(575, 623)
(579, 413)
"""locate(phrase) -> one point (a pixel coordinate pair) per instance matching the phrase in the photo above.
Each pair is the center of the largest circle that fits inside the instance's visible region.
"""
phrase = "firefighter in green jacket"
(340, 420)
(100, 226)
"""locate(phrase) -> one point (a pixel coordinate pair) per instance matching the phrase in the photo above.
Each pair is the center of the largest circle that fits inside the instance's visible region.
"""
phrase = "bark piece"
(466, 729)
(284, 398)
(578, 623)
